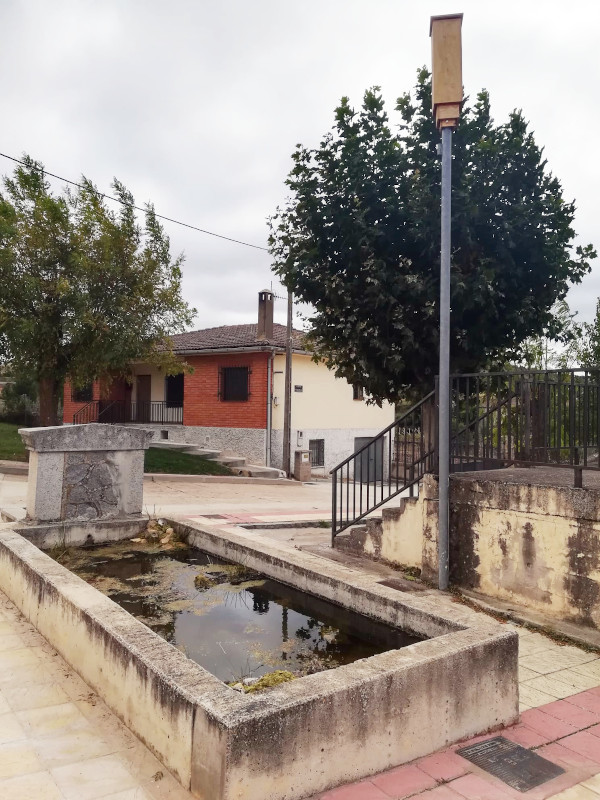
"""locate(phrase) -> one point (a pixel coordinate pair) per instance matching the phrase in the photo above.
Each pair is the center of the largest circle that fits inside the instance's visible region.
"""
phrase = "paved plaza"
(59, 741)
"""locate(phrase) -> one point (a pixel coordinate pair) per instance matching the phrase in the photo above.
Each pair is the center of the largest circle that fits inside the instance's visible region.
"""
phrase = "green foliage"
(561, 351)
(18, 401)
(172, 462)
(11, 444)
(359, 240)
(588, 345)
(85, 288)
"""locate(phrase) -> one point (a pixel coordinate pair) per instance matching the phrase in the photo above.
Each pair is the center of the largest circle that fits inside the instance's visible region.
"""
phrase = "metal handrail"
(82, 416)
(376, 458)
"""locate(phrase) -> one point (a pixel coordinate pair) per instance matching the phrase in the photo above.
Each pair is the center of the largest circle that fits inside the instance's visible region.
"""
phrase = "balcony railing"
(157, 413)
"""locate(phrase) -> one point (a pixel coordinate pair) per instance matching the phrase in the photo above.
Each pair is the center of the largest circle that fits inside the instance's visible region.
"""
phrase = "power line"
(139, 208)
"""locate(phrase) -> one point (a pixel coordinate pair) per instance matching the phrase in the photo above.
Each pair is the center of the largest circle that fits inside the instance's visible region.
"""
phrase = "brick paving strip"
(565, 732)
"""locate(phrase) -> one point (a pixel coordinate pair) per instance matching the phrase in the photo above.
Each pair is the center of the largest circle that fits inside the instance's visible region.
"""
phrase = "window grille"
(358, 392)
(234, 383)
(83, 395)
(174, 391)
(316, 448)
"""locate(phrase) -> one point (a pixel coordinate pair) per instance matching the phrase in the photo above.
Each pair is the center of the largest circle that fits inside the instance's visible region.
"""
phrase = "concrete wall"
(338, 445)
(301, 737)
(537, 546)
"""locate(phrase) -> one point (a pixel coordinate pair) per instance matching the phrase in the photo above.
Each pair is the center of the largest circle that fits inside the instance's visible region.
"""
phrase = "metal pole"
(444, 384)
(287, 401)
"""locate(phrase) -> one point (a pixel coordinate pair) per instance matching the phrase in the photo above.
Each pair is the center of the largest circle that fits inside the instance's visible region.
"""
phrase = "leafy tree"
(588, 345)
(18, 401)
(85, 290)
(359, 240)
(561, 351)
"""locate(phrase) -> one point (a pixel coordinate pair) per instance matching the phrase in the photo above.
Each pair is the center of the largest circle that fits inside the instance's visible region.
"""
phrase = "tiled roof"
(234, 337)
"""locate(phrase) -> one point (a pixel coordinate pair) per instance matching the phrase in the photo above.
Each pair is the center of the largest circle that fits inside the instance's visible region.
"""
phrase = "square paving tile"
(11, 729)
(585, 743)
(593, 783)
(11, 641)
(568, 712)
(21, 698)
(93, 778)
(533, 697)
(589, 700)
(591, 668)
(545, 723)
(443, 766)
(52, 720)
(18, 758)
(550, 685)
(475, 788)
(71, 747)
(356, 791)
(35, 786)
(404, 781)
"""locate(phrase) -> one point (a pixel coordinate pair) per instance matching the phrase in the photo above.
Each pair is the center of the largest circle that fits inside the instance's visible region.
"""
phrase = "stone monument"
(81, 473)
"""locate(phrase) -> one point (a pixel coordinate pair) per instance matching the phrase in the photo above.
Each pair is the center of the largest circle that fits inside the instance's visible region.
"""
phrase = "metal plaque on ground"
(513, 764)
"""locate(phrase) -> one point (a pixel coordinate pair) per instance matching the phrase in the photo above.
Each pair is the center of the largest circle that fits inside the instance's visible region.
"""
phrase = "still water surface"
(237, 629)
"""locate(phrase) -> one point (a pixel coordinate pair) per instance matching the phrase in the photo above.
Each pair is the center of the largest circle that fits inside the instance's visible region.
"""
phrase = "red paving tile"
(567, 758)
(567, 712)
(475, 788)
(595, 730)
(440, 793)
(584, 743)
(404, 781)
(589, 700)
(547, 725)
(355, 791)
(444, 766)
(526, 736)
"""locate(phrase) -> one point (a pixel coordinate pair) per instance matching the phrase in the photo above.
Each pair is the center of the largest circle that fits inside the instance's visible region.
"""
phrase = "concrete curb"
(158, 477)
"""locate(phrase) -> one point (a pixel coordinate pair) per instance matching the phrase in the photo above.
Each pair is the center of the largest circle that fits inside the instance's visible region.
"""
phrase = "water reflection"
(232, 628)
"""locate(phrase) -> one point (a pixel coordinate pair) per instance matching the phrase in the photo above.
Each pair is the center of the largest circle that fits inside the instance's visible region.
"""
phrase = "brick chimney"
(265, 315)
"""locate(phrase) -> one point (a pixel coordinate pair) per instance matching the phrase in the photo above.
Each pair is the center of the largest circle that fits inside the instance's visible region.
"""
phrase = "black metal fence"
(393, 461)
(549, 417)
(159, 413)
(527, 417)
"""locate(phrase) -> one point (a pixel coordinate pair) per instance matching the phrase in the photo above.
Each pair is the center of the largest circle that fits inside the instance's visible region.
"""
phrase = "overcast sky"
(197, 106)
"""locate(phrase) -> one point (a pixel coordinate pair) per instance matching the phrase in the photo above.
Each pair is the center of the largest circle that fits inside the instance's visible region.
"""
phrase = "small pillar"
(302, 470)
(85, 472)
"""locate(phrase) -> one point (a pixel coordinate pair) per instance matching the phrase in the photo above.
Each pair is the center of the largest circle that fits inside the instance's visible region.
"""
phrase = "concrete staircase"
(237, 464)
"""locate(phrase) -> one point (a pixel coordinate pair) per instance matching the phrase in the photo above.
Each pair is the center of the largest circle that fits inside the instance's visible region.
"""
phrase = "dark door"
(369, 464)
(143, 391)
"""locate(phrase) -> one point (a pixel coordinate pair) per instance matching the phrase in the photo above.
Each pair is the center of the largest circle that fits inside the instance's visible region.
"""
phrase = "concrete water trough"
(300, 737)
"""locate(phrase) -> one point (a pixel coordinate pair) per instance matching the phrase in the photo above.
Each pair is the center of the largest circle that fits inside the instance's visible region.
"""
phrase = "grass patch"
(11, 444)
(172, 462)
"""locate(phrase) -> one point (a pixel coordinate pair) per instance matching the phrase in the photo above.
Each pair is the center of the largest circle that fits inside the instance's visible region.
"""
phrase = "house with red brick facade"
(232, 399)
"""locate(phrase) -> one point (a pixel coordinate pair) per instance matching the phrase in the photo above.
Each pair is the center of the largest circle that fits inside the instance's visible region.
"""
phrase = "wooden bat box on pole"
(446, 60)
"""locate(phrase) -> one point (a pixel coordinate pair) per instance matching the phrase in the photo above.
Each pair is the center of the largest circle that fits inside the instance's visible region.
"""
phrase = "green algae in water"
(230, 620)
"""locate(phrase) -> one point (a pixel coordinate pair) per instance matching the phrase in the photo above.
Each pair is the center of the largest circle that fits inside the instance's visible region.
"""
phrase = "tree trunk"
(48, 401)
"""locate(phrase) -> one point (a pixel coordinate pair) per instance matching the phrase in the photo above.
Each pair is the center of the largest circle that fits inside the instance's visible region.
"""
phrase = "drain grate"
(513, 764)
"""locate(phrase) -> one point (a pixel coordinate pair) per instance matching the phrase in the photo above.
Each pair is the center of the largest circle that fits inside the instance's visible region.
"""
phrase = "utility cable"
(139, 208)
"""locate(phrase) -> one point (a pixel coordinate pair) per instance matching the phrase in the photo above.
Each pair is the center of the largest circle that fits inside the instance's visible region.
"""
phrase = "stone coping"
(93, 437)
(300, 737)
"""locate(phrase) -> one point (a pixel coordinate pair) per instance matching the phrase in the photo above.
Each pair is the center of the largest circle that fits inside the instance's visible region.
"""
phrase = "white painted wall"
(157, 382)
(325, 402)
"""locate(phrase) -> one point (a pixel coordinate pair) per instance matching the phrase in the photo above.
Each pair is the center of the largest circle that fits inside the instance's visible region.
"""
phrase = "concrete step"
(254, 471)
(211, 455)
(231, 461)
(164, 444)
